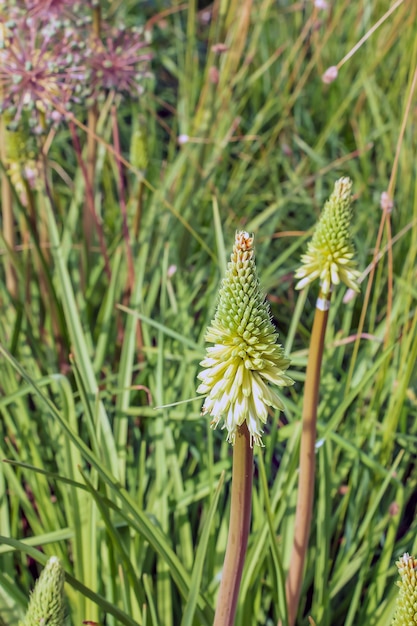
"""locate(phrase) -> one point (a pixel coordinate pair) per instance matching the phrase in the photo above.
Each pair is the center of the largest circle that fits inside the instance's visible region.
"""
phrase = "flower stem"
(92, 116)
(307, 458)
(237, 541)
(7, 213)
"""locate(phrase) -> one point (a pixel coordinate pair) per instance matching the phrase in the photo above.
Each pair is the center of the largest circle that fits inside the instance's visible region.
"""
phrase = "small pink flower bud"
(330, 74)
(386, 203)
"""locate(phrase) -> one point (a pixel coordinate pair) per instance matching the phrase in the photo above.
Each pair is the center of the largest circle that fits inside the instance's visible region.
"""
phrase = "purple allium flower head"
(56, 8)
(40, 66)
(118, 62)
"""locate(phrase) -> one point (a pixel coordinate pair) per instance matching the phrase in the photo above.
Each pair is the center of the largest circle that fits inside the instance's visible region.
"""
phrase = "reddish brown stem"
(122, 202)
(237, 541)
(307, 460)
(90, 199)
(125, 230)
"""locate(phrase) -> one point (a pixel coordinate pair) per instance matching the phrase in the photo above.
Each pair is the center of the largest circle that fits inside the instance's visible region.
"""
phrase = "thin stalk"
(137, 218)
(90, 199)
(122, 202)
(88, 217)
(304, 508)
(126, 233)
(8, 234)
(7, 214)
(237, 541)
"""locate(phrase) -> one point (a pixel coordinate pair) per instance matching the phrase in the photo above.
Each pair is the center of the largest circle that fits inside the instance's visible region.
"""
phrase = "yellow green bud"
(139, 150)
(330, 252)
(46, 605)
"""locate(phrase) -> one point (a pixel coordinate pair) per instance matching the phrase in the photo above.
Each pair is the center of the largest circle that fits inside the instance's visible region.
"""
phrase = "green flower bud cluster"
(46, 605)
(330, 252)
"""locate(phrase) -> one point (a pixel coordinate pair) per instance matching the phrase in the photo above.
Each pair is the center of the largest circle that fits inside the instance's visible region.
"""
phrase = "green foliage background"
(132, 498)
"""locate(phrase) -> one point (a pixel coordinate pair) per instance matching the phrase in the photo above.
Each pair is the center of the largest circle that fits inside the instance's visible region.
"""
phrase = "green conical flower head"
(46, 605)
(245, 357)
(330, 252)
(406, 611)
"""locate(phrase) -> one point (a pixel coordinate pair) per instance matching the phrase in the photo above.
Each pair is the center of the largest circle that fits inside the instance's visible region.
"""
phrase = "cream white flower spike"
(406, 611)
(245, 357)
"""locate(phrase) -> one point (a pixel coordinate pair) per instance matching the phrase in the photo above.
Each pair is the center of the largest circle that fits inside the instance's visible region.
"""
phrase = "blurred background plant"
(124, 179)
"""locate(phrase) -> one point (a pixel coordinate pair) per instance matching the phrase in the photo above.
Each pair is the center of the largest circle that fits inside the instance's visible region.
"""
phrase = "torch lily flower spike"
(406, 612)
(245, 357)
(329, 257)
(46, 605)
(330, 252)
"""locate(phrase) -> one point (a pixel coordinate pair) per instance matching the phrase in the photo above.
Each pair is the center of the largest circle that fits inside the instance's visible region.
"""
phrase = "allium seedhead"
(40, 69)
(245, 357)
(330, 252)
(406, 611)
(46, 605)
(118, 63)
(56, 8)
